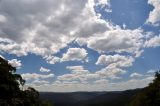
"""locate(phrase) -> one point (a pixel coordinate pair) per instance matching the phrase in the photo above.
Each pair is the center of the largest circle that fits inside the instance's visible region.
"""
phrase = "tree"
(150, 96)
(9, 86)
(10, 92)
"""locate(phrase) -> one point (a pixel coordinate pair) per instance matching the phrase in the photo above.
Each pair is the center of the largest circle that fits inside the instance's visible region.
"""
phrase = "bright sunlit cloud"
(75, 45)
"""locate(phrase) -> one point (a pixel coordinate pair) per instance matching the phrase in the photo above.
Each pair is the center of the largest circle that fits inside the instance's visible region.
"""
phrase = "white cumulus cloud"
(154, 16)
(115, 60)
(28, 76)
(15, 63)
(42, 69)
(73, 54)
(44, 31)
(118, 40)
(153, 42)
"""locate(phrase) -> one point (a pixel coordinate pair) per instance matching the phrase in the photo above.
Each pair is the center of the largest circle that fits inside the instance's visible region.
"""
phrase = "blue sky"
(84, 45)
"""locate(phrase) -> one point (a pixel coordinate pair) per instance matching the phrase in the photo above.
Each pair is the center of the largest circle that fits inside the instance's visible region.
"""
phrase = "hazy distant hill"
(118, 98)
(112, 99)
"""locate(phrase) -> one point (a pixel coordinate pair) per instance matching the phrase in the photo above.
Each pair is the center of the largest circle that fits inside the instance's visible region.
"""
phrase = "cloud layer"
(154, 17)
(28, 28)
(45, 27)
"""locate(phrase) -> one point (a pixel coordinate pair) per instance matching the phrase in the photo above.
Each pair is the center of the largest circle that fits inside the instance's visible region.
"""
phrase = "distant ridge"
(90, 98)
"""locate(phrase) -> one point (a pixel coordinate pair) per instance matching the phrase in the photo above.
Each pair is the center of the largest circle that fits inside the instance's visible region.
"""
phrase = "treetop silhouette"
(10, 92)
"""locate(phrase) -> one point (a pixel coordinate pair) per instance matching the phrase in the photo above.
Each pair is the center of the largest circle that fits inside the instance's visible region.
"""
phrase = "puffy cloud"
(15, 63)
(136, 75)
(11, 47)
(77, 73)
(77, 69)
(42, 69)
(88, 29)
(115, 39)
(153, 42)
(118, 40)
(44, 31)
(115, 60)
(110, 72)
(113, 65)
(74, 54)
(52, 59)
(28, 76)
(154, 17)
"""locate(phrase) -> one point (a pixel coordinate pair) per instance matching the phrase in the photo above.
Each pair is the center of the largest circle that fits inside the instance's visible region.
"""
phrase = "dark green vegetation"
(11, 88)
(150, 96)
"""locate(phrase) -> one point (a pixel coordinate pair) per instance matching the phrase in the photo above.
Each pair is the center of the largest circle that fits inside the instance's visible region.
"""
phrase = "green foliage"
(150, 96)
(10, 92)
(9, 86)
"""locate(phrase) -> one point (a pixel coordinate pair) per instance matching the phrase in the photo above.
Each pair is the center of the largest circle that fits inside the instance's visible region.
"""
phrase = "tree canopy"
(150, 95)
(10, 92)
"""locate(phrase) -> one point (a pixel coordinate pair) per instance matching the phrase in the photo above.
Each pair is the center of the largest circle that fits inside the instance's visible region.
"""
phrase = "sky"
(82, 45)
